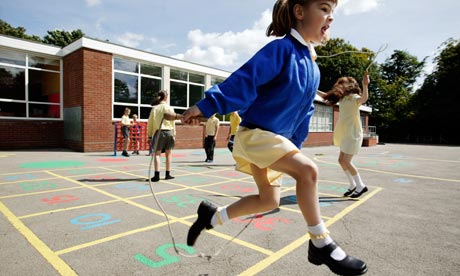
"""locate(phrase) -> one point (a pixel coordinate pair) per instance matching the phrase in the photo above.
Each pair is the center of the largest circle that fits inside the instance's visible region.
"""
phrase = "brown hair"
(344, 86)
(283, 19)
(160, 97)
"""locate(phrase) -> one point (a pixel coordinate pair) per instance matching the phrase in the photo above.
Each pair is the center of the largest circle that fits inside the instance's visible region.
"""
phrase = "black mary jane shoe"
(205, 212)
(349, 192)
(348, 267)
(357, 194)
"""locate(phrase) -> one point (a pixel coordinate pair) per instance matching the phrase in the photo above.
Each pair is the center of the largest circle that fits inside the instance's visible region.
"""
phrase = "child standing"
(167, 132)
(211, 131)
(348, 133)
(125, 123)
(274, 92)
(235, 121)
(136, 133)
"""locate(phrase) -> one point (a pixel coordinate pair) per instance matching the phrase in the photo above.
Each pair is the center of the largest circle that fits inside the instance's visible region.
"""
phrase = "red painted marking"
(261, 223)
(59, 199)
(112, 160)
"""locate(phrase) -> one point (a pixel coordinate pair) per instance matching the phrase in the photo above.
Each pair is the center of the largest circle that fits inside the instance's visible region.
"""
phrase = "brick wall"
(318, 139)
(190, 137)
(21, 134)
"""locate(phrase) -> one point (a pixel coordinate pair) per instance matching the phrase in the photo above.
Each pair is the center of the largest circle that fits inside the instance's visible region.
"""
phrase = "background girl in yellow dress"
(348, 133)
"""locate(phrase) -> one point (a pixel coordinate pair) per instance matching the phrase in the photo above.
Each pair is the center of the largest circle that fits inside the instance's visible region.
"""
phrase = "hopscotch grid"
(41, 192)
(200, 189)
(117, 236)
(97, 204)
(68, 209)
(26, 180)
(183, 220)
(179, 219)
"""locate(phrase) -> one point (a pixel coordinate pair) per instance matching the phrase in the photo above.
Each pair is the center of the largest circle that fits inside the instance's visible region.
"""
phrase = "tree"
(338, 59)
(403, 68)
(59, 38)
(391, 95)
(436, 103)
(18, 32)
(62, 38)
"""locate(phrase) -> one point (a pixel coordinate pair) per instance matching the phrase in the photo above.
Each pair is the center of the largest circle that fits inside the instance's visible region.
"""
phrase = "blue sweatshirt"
(273, 91)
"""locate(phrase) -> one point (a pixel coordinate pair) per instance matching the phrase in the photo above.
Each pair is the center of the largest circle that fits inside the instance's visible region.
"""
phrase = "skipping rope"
(380, 50)
(200, 255)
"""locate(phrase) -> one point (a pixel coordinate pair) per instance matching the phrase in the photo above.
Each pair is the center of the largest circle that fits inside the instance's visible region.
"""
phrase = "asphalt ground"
(69, 213)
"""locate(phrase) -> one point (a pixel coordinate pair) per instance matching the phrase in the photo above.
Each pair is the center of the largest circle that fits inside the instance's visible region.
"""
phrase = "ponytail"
(281, 18)
(160, 97)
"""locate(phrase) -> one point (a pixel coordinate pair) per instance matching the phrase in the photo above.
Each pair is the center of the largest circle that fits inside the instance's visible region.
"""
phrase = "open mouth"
(324, 30)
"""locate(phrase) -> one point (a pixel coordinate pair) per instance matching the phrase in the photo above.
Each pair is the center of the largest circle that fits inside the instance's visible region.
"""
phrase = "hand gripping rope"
(201, 255)
(380, 50)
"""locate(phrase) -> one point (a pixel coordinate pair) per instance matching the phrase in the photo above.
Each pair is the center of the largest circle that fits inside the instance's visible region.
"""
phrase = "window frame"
(320, 123)
(136, 108)
(26, 67)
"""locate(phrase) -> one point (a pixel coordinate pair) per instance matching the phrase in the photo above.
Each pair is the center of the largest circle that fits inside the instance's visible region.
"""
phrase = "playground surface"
(70, 213)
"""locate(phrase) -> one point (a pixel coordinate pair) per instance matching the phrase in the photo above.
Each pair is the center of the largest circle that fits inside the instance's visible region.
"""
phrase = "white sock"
(222, 212)
(317, 230)
(359, 183)
(350, 180)
(338, 254)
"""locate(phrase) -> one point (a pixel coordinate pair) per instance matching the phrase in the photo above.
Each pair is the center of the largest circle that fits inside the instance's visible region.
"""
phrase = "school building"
(72, 97)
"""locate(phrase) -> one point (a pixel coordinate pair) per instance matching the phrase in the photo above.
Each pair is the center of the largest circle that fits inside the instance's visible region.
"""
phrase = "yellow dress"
(348, 133)
(261, 148)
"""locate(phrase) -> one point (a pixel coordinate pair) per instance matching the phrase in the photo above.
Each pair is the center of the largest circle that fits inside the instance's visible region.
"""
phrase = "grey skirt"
(166, 140)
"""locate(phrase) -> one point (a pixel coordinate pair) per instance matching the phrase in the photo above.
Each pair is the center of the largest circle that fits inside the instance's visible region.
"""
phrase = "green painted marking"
(52, 164)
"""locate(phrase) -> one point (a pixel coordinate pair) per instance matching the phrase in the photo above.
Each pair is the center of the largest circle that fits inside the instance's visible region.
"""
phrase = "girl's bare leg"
(168, 154)
(157, 160)
(345, 163)
(305, 172)
(267, 199)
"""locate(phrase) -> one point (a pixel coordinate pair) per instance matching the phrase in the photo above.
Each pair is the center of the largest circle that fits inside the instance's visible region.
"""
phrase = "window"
(216, 80)
(134, 85)
(186, 89)
(322, 119)
(30, 86)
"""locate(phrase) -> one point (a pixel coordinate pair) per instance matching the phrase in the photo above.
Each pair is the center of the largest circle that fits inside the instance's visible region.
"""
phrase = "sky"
(225, 33)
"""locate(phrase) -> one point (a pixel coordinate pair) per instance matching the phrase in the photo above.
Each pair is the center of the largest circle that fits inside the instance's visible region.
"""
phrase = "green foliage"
(435, 104)
(59, 38)
(391, 102)
(18, 32)
(403, 68)
(390, 87)
(334, 66)
(62, 38)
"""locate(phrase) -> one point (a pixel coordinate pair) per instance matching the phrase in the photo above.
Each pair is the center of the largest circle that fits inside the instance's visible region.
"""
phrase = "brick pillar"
(88, 101)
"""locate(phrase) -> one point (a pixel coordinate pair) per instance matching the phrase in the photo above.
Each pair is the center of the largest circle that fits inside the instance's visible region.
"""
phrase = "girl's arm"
(217, 131)
(365, 95)
(321, 94)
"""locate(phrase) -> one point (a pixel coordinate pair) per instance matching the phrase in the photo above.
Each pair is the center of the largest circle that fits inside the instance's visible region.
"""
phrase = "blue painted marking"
(104, 220)
(402, 180)
(132, 186)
